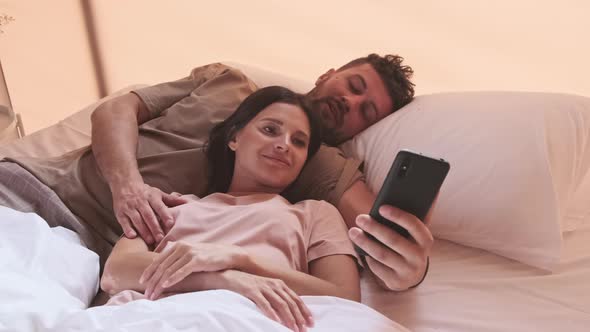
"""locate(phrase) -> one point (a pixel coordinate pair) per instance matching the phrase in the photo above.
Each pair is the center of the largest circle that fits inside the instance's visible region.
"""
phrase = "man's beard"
(330, 120)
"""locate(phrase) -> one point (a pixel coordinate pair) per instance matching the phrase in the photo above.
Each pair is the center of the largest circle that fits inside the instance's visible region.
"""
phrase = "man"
(149, 143)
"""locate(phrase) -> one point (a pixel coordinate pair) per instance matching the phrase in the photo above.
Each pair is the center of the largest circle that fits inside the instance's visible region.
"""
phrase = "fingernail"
(166, 283)
(132, 234)
(170, 222)
(361, 221)
(385, 209)
(141, 280)
(354, 233)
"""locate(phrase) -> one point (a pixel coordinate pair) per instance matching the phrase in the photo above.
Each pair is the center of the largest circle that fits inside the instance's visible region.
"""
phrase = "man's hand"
(138, 207)
(397, 263)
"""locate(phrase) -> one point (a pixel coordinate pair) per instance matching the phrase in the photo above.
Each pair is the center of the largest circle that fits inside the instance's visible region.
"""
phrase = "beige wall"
(452, 45)
(46, 60)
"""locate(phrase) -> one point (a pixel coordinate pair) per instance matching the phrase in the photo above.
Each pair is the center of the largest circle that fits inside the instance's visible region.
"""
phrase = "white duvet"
(48, 279)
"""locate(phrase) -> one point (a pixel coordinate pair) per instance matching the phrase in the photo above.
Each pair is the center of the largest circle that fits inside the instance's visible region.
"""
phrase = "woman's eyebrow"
(279, 122)
(302, 133)
(273, 120)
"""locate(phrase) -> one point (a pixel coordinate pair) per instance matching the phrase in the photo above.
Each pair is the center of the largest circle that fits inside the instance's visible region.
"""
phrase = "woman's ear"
(232, 145)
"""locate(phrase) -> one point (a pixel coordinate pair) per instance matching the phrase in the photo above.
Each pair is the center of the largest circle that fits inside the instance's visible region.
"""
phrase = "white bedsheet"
(47, 280)
(473, 290)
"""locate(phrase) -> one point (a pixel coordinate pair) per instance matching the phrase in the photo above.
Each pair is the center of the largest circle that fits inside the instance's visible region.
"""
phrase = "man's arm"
(114, 133)
(398, 263)
(115, 126)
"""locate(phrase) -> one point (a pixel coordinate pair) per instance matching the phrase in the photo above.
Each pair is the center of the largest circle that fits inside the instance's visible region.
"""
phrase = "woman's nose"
(282, 143)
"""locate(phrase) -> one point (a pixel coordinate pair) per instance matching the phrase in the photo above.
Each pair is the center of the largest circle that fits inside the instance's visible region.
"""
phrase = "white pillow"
(263, 77)
(519, 167)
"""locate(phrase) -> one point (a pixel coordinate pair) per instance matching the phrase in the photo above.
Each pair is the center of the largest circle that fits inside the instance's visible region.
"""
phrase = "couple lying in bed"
(244, 236)
(150, 143)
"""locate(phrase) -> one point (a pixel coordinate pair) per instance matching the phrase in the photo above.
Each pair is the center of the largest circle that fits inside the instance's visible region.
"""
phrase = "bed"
(470, 289)
(471, 286)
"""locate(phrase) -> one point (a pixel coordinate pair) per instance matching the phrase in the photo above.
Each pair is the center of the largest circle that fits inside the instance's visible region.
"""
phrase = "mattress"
(469, 289)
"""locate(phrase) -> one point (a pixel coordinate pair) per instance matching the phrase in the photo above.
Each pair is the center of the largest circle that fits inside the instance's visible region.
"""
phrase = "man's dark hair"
(221, 158)
(394, 75)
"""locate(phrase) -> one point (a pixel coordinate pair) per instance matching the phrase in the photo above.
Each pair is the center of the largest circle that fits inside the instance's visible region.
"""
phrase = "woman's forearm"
(130, 258)
(301, 283)
(124, 271)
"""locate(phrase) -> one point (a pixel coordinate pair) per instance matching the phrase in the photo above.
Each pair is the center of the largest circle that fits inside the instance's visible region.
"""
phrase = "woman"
(244, 236)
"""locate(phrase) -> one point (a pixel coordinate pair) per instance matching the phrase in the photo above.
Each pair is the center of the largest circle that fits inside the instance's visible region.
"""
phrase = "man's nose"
(351, 103)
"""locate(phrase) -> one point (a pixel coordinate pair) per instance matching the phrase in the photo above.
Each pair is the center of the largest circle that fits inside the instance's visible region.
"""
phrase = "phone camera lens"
(403, 170)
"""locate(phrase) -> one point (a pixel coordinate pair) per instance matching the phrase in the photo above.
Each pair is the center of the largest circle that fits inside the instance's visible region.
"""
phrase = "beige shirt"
(267, 226)
(170, 151)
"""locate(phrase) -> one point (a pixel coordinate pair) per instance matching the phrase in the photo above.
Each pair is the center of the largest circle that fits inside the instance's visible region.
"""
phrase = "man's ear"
(325, 76)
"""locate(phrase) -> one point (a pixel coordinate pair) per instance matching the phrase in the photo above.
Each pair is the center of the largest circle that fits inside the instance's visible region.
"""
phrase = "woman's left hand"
(179, 260)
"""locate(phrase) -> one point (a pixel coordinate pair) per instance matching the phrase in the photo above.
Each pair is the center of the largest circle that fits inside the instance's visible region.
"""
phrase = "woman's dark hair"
(221, 158)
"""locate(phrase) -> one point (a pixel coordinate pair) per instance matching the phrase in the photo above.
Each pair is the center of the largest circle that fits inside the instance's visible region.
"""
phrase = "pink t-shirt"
(266, 225)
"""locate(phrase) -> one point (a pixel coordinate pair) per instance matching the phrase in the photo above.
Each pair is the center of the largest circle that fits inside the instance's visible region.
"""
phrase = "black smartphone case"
(412, 184)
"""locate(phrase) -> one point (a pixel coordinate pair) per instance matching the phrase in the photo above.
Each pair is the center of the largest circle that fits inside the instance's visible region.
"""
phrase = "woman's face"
(271, 149)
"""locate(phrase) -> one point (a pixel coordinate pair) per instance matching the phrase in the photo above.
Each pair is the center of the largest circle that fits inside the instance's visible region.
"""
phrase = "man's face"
(349, 100)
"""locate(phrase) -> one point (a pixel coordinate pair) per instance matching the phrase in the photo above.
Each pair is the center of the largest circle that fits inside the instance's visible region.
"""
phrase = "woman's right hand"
(274, 298)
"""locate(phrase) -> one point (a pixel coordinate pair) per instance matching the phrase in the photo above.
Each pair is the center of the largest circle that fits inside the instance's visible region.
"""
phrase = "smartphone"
(412, 184)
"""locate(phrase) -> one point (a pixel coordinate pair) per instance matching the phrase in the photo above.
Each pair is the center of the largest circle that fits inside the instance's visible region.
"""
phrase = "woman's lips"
(278, 160)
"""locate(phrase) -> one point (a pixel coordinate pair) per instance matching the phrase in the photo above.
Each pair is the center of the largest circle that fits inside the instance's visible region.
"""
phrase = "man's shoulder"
(327, 153)
(217, 69)
(214, 67)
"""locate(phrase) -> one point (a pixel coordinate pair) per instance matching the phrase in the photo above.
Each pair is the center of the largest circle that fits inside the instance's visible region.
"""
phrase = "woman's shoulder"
(317, 206)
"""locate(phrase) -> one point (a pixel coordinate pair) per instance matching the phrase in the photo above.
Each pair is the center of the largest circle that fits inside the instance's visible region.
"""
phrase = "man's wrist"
(120, 182)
